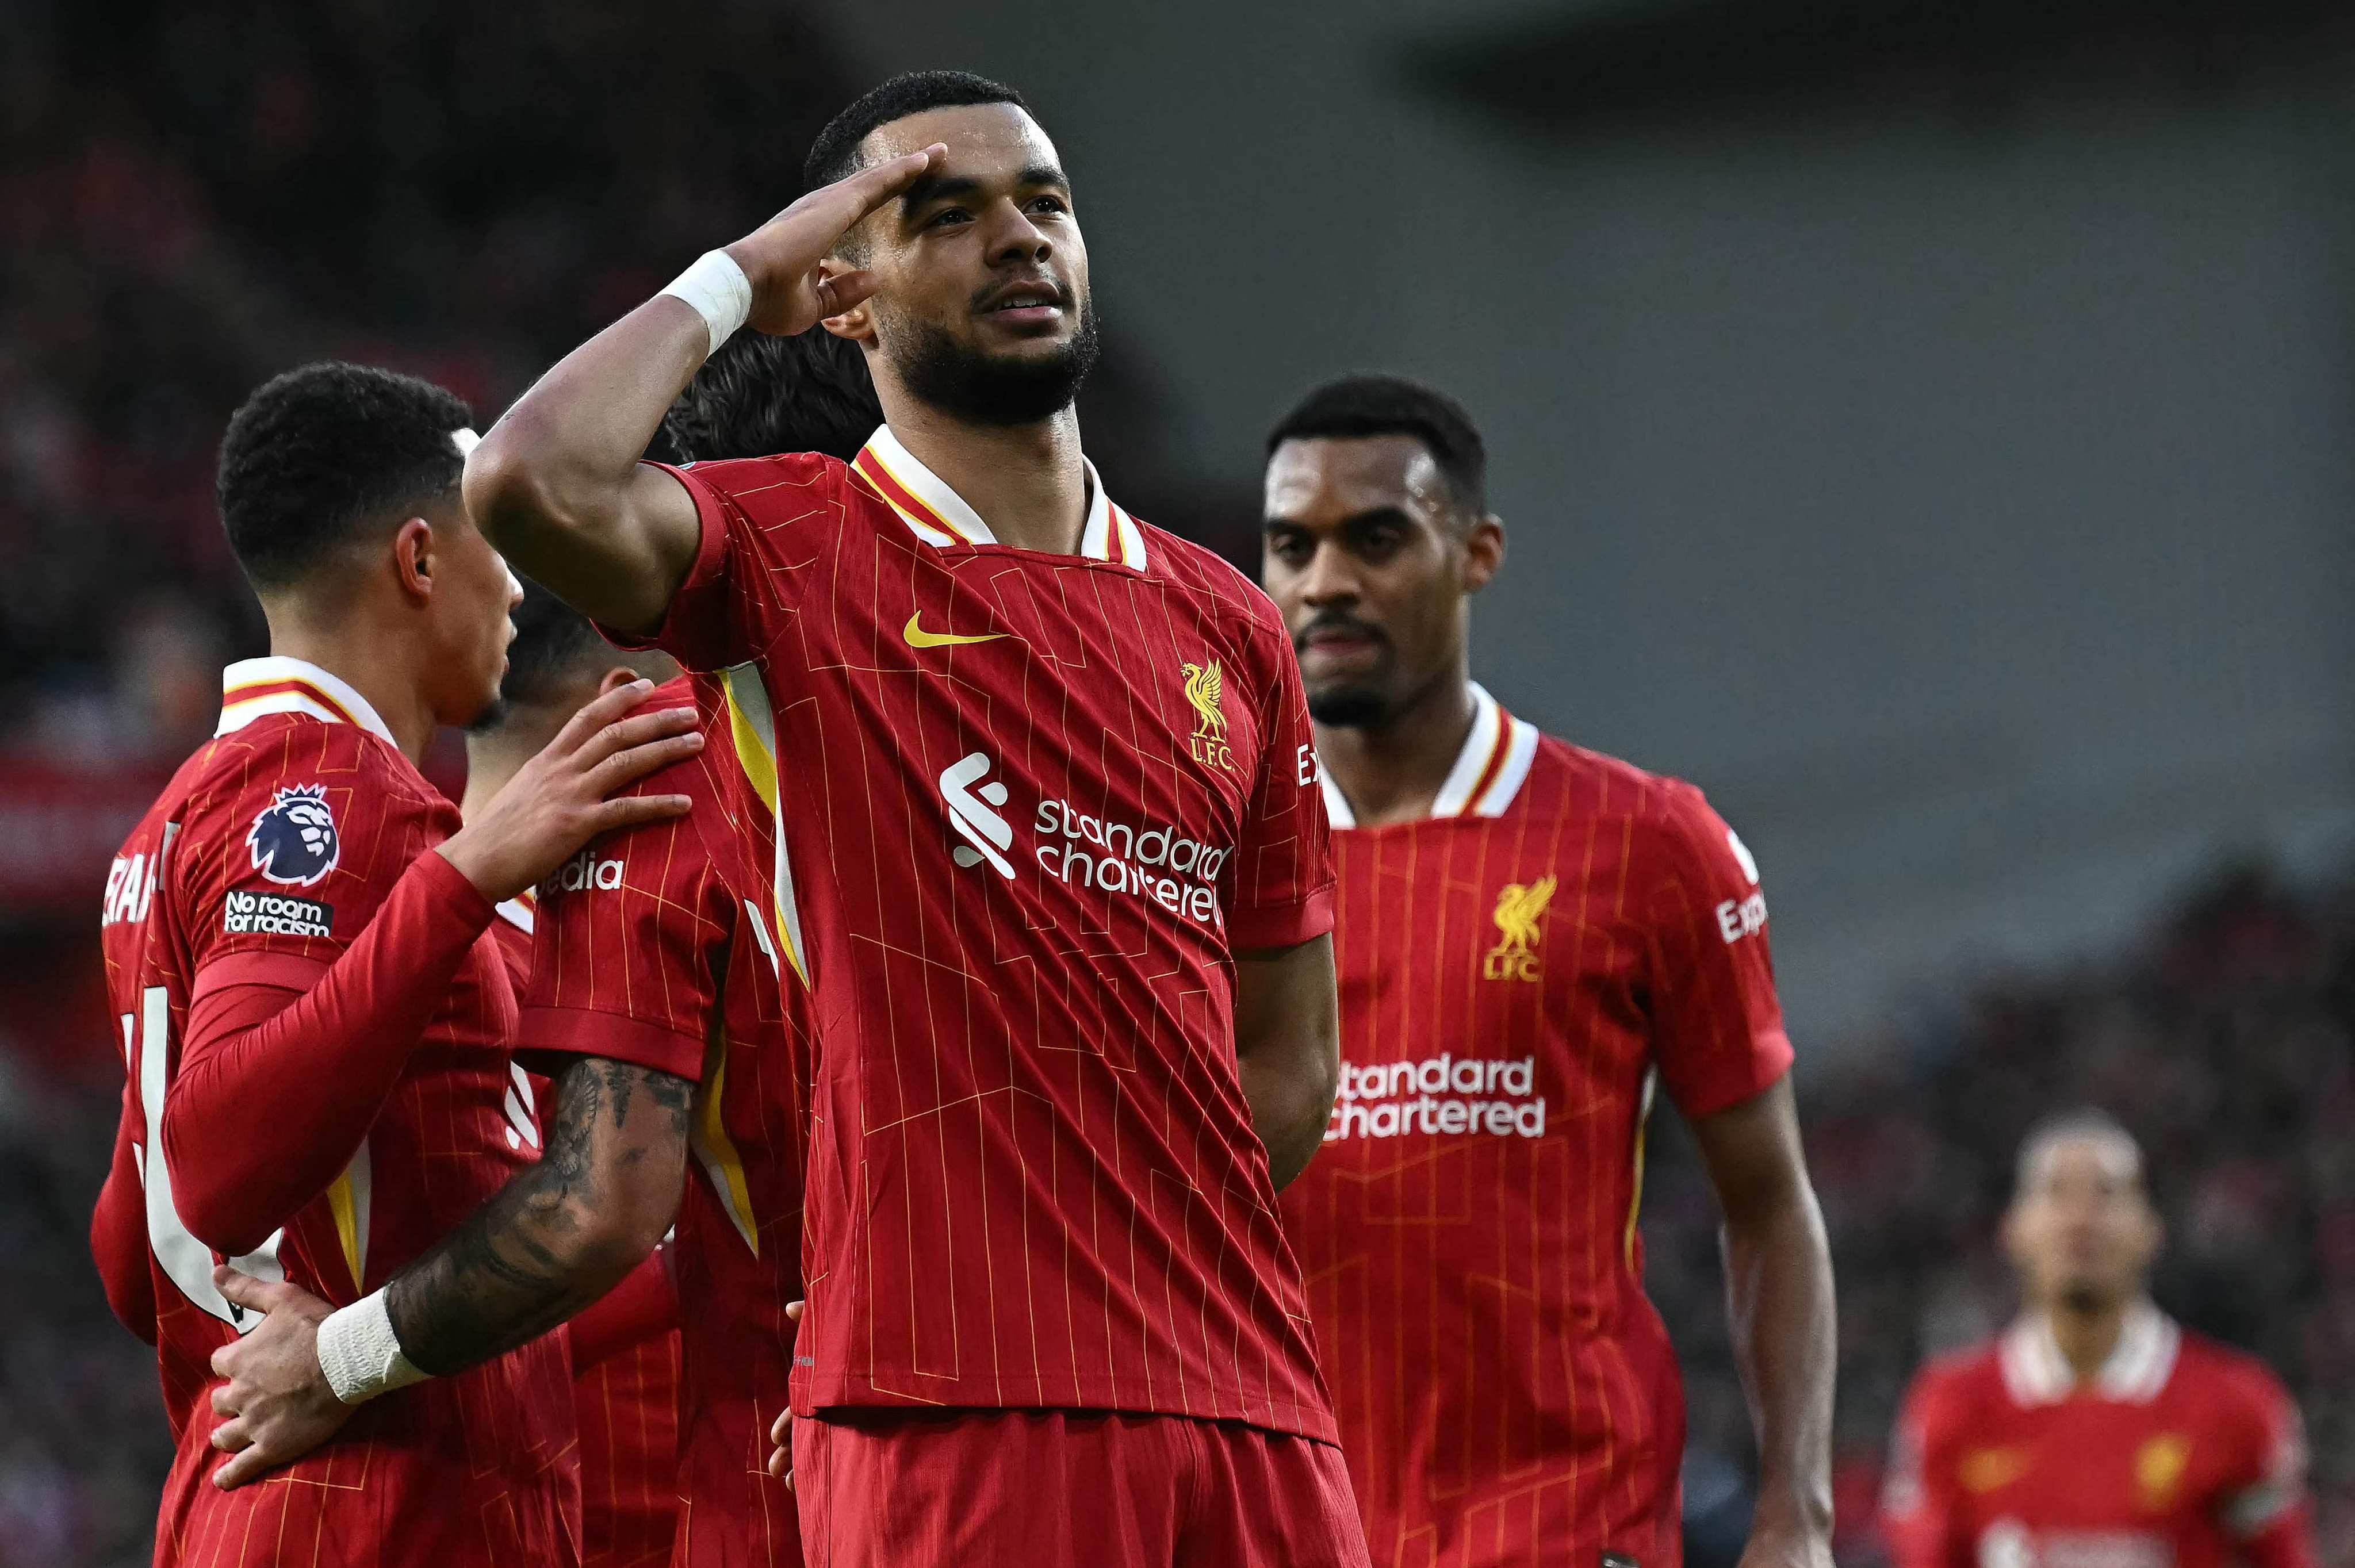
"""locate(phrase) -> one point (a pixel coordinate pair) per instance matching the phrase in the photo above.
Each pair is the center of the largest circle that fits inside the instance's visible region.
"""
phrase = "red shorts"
(1068, 1488)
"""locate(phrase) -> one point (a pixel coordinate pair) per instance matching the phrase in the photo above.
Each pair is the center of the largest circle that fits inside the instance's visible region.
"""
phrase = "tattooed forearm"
(561, 1232)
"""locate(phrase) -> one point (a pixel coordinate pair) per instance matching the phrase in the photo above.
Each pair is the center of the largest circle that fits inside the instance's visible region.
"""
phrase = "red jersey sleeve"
(323, 938)
(629, 936)
(1282, 890)
(1717, 1026)
(2267, 1509)
(118, 1233)
(746, 571)
(1921, 1501)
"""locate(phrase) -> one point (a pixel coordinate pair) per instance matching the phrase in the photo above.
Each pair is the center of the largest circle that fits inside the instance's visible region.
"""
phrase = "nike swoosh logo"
(920, 638)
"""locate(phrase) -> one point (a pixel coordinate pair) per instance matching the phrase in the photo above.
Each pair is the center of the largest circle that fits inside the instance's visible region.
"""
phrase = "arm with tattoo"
(561, 1232)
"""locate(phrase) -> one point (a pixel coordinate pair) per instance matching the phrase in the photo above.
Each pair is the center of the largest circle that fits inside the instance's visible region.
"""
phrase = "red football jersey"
(2180, 1453)
(659, 945)
(625, 1358)
(263, 859)
(1035, 801)
(1505, 1393)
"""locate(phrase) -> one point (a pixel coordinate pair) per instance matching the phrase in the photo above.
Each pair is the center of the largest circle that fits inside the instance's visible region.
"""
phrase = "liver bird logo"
(1519, 910)
(293, 841)
(1204, 682)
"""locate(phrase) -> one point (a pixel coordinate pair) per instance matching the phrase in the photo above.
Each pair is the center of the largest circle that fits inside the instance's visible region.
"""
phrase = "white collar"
(251, 687)
(1488, 774)
(940, 517)
(2035, 1371)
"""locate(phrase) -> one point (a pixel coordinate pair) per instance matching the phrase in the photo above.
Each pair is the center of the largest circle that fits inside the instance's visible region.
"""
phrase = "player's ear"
(414, 557)
(1484, 552)
(620, 675)
(857, 322)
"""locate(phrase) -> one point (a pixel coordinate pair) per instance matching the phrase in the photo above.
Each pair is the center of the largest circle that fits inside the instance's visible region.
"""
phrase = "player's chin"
(1342, 705)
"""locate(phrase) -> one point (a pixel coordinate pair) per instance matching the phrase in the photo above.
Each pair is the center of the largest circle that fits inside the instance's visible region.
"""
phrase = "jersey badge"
(1205, 689)
(2159, 1465)
(293, 841)
(1519, 908)
(1991, 1469)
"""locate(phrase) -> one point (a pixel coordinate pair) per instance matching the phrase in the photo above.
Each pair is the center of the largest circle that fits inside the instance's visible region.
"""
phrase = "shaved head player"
(1052, 857)
(1530, 937)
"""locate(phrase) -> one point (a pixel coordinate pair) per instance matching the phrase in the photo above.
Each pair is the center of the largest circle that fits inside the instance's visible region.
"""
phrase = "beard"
(977, 388)
(1350, 708)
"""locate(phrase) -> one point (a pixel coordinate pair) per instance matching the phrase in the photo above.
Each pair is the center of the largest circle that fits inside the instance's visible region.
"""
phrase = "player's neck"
(1393, 772)
(2088, 1335)
(379, 670)
(491, 762)
(1029, 483)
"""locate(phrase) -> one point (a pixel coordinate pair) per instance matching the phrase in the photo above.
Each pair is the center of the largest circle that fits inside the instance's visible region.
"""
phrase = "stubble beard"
(977, 388)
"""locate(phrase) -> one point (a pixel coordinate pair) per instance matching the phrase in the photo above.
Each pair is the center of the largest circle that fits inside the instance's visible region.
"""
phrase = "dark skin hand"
(1778, 1289)
(556, 1238)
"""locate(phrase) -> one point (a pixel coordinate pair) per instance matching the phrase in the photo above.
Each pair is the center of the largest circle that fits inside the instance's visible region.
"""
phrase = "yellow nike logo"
(920, 638)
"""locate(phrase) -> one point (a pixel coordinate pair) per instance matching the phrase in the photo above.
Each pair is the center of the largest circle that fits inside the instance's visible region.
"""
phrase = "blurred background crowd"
(196, 196)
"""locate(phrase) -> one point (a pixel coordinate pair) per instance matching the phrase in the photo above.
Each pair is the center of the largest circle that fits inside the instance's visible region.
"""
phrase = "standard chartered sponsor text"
(1440, 1094)
(1155, 862)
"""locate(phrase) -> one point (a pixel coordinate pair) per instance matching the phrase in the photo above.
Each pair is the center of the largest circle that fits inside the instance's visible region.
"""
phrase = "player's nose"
(1329, 578)
(1014, 240)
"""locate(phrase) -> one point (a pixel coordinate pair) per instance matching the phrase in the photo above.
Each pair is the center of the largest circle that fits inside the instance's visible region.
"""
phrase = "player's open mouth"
(1027, 305)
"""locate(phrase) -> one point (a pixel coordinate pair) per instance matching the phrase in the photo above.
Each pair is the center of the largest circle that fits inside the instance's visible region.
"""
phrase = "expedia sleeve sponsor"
(275, 914)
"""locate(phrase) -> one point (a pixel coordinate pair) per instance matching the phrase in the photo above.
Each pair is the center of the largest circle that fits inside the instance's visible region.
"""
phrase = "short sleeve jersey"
(1029, 806)
(2179, 1452)
(1517, 970)
(262, 860)
(659, 945)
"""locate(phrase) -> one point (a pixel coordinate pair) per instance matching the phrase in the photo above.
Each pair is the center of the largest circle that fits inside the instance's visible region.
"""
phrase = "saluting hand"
(791, 291)
(563, 797)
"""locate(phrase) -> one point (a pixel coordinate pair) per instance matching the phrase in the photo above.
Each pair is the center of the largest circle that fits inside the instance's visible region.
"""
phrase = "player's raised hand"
(565, 796)
(791, 294)
(278, 1402)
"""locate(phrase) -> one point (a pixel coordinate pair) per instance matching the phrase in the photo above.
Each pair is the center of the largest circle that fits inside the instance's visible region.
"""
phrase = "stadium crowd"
(206, 209)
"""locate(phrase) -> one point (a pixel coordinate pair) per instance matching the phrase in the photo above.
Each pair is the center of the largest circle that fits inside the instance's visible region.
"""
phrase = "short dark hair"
(834, 154)
(1351, 407)
(759, 395)
(318, 454)
(554, 644)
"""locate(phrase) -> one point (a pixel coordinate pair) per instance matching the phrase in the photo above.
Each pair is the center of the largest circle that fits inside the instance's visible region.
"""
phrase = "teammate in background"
(1579, 930)
(2096, 1429)
(1053, 860)
(311, 1007)
(650, 939)
(624, 1347)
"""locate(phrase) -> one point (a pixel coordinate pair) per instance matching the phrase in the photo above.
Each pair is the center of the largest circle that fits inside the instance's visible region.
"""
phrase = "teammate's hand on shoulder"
(790, 293)
(563, 797)
(278, 1402)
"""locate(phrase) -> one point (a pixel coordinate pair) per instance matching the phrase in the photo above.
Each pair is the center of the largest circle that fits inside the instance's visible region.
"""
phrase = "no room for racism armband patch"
(275, 914)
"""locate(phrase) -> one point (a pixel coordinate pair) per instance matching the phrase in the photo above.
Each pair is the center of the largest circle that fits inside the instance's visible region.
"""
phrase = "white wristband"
(361, 1354)
(718, 291)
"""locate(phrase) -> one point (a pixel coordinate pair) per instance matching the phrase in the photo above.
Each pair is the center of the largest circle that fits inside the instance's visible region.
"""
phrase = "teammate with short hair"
(2096, 1429)
(650, 944)
(624, 1347)
(1529, 938)
(1051, 855)
(313, 1014)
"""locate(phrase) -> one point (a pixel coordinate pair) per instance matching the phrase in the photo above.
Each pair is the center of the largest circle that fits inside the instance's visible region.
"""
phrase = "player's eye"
(947, 216)
(1049, 204)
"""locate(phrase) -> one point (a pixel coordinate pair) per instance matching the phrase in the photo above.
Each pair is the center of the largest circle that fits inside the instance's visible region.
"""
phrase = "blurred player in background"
(1529, 936)
(1051, 857)
(2096, 1429)
(624, 1347)
(315, 1015)
(648, 942)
